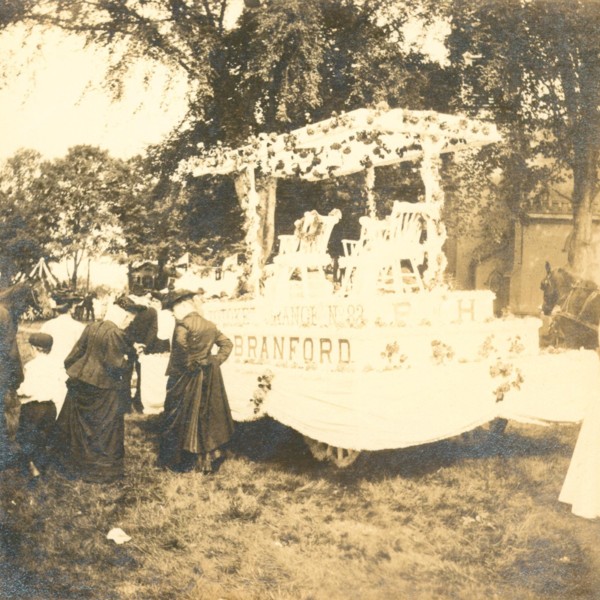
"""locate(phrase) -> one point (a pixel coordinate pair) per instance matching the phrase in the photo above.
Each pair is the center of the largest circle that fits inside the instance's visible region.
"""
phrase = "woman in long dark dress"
(90, 426)
(196, 419)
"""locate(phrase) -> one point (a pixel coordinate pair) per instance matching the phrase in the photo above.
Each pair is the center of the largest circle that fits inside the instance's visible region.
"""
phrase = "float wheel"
(340, 457)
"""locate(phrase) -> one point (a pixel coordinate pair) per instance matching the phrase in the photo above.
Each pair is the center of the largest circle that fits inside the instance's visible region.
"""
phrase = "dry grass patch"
(473, 517)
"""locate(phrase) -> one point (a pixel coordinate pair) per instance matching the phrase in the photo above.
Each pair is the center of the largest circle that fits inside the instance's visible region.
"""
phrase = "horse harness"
(568, 307)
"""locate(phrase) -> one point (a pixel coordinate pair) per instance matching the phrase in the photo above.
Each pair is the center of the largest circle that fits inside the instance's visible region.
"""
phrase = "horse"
(14, 302)
(20, 297)
(574, 306)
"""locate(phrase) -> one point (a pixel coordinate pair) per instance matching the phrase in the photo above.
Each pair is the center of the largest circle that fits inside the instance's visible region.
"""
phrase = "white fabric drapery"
(378, 410)
(581, 488)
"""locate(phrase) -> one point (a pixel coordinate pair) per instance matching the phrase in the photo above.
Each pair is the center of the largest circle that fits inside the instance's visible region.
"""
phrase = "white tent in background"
(191, 281)
(183, 263)
(42, 272)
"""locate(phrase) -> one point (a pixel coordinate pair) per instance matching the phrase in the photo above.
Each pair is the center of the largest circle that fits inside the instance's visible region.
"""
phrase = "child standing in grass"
(38, 411)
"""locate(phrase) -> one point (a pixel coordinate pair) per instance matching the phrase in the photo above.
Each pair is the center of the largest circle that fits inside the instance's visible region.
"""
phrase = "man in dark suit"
(197, 418)
(142, 334)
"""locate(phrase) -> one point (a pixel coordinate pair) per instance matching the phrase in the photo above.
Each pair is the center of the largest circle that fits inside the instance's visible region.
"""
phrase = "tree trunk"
(7, 271)
(162, 279)
(581, 251)
(74, 275)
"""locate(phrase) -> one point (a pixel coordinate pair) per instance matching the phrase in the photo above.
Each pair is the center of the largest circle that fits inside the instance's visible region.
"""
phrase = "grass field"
(467, 518)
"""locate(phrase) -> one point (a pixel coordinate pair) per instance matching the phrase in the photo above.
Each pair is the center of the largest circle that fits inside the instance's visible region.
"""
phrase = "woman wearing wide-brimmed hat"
(196, 419)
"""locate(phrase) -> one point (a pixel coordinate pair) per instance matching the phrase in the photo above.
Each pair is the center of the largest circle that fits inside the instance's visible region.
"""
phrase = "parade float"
(393, 356)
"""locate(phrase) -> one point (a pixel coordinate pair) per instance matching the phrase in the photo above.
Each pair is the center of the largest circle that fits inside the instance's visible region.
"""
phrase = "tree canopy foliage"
(22, 233)
(534, 66)
(531, 65)
(283, 61)
(88, 203)
(79, 193)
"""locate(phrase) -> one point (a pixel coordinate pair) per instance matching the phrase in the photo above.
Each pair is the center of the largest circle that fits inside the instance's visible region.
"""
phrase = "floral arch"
(346, 143)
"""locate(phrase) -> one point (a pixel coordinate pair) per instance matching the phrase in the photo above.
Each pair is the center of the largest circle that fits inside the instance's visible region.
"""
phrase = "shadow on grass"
(17, 583)
(417, 461)
(275, 445)
(264, 440)
(544, 570)
(148, 425)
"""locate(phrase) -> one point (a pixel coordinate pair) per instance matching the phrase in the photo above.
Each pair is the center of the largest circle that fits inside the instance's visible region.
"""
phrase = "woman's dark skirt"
(196, 418)
(91, 432)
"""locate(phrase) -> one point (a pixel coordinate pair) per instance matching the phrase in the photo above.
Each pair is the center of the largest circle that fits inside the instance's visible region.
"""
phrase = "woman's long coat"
(91, 430)
(197, 418)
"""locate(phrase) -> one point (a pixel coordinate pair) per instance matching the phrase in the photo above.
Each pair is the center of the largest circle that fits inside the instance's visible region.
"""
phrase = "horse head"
(555, 287)
(19, 297)
(24, 295)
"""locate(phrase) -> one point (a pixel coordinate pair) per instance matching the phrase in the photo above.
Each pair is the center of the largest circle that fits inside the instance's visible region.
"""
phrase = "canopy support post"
(370, 191)
(434, 196)
(250, 201)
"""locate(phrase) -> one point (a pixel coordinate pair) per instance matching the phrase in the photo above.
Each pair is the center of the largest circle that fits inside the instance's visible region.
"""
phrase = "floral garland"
(512, 378)
(441, 353)
(392, 356)
(263, 388)
(315, 226)
(425, 130)
(425, 135)
(370, 191)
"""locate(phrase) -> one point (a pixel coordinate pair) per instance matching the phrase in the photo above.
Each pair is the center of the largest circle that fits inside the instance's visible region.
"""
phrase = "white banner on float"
(291, 349)
(438, 307)
(380, 348)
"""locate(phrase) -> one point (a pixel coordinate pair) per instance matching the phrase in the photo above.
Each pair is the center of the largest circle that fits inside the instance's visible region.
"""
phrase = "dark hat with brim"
(43, 341)
(177, 296)
(126, 303)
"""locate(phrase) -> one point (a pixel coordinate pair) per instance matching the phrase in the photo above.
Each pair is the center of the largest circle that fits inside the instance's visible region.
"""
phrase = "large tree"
(23, 234)
(161, 219)
(283, 63)
(534, 65)
(14, 11)
(82, 190)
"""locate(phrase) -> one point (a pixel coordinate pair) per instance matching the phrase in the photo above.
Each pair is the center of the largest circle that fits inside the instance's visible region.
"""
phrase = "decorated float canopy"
(348, 143)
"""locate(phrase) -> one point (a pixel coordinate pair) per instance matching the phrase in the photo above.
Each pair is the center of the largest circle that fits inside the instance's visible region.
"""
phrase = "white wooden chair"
(306, 250)
(389, 252)
(405, 244)
(362, 258)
